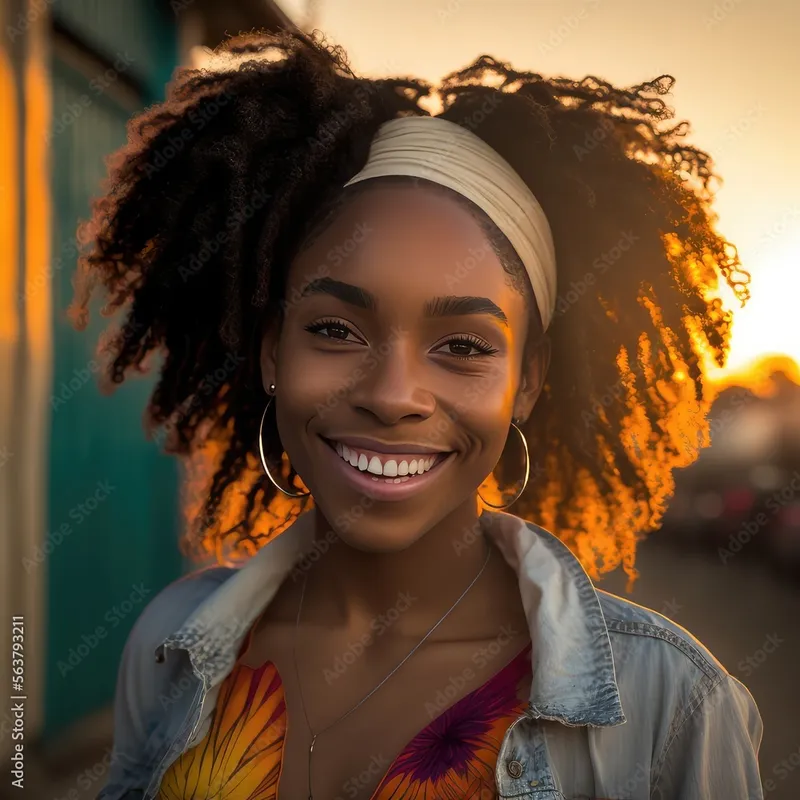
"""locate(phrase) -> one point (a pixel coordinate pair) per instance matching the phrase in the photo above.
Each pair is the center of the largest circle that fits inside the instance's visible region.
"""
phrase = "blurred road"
(751, 622)
(745, 616)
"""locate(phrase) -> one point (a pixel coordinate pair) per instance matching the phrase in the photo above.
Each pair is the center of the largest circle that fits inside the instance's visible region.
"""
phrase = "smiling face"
(398, 364)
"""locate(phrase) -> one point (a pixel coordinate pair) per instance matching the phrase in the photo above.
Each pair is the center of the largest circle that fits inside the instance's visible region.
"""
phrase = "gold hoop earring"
(272, 480)
(527, 473)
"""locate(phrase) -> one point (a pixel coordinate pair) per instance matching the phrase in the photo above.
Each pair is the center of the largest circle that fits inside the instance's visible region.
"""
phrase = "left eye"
(460, 348)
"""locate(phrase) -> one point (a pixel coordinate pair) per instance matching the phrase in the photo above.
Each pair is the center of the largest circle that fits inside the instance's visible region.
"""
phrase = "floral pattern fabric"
(452, 758)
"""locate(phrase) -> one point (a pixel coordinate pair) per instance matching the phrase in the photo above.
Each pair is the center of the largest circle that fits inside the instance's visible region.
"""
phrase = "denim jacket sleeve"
(712, 751)
(139, 709)
(131, 713)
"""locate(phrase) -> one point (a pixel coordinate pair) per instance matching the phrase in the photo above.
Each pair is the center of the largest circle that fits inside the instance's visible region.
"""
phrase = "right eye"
(335, 330)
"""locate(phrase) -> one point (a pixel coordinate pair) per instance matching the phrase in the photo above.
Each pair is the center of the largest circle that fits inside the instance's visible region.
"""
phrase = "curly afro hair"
(219, 187)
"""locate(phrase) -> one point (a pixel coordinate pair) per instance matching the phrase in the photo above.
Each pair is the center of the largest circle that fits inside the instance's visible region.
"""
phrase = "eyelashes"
(461, 340)
(467, 340)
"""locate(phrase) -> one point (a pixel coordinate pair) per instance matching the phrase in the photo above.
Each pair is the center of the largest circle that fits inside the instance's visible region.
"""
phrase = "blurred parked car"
(742, 494)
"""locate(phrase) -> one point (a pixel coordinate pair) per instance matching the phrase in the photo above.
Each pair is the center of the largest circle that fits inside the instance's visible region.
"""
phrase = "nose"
(393, 386)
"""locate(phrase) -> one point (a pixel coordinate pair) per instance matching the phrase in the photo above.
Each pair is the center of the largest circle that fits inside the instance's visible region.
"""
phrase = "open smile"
(386, 476)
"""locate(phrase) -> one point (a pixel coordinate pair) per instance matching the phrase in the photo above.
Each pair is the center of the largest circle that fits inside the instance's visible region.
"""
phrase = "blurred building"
(88, 507)
(742, 494)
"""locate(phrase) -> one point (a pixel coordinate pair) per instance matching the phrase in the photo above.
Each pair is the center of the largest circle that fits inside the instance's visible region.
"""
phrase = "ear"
(534, 371)
(268, 359)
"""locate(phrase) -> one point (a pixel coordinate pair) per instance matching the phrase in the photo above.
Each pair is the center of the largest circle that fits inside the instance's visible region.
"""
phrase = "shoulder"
(141, 676)
(686, 686)
(173, 605)
(704, 726)
(656, 639)
(146, 689)
(629, 621)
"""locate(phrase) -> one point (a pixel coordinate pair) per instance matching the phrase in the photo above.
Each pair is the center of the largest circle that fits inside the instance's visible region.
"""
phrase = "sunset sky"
(735, 62)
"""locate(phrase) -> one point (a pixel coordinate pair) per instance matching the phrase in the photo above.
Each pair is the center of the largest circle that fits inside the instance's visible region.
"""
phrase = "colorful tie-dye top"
(454, 756)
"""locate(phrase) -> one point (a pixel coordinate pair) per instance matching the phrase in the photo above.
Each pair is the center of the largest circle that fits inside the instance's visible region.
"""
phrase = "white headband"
(446, 153)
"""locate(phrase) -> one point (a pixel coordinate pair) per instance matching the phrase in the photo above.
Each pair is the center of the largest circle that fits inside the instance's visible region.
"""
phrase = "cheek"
(482, 412)
(313, 384)
(303, 376)
(485, 400)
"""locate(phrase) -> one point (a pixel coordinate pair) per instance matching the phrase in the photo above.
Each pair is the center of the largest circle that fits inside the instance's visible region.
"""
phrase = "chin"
(372, 527)
(364, 537)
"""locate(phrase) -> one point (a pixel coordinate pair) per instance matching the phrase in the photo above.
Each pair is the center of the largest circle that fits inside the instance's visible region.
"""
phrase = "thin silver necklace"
(366, 697)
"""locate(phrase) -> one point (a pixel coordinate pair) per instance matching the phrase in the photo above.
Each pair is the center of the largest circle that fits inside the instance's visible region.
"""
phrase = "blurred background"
(89, 507)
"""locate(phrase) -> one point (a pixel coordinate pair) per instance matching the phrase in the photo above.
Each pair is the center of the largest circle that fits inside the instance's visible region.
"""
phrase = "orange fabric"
(240, 758)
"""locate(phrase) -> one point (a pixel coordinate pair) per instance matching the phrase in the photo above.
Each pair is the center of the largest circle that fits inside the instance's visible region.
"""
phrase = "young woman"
(372, 303)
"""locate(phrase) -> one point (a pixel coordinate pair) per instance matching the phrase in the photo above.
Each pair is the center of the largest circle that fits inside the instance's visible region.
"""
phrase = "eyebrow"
(447, 306)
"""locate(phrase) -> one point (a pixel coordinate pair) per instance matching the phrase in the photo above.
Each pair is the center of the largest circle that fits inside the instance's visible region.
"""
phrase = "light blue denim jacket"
(624, 703)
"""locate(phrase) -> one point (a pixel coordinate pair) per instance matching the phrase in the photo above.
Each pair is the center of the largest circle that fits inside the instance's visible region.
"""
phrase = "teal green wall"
(113, 517)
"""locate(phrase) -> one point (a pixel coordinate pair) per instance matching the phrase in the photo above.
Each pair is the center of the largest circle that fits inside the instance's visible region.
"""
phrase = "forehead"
(403, 242)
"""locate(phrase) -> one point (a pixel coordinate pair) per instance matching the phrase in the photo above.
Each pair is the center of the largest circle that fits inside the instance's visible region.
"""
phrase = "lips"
(386, 476)
(388, 465)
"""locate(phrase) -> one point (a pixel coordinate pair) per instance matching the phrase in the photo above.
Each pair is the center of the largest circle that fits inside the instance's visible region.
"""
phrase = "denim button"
(514, 769)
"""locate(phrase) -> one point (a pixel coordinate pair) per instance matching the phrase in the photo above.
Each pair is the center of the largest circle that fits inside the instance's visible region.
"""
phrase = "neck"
(407, 590)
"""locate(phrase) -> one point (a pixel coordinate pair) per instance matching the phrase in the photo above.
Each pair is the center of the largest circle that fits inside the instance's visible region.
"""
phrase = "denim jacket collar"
(574, 679)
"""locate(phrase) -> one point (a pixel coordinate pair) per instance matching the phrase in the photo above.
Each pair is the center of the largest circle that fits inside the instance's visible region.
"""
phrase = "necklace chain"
(375, 689)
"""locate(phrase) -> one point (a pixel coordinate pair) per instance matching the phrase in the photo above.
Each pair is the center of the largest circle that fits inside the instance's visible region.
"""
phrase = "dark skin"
(409, 378)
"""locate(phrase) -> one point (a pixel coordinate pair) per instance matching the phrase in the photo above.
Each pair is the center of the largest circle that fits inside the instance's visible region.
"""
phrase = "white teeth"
(399, 470)
(347, 454)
